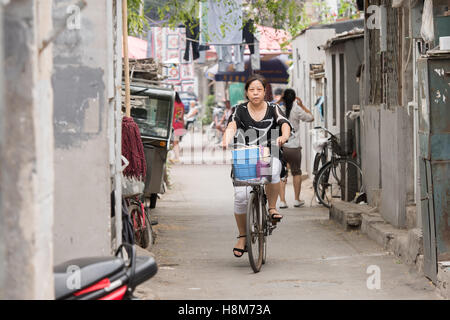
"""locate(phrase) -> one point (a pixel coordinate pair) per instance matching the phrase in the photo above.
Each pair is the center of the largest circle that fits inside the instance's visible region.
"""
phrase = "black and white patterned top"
(251, 132)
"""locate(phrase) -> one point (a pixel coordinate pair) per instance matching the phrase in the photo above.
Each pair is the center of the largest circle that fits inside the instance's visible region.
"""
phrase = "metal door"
(434, 144)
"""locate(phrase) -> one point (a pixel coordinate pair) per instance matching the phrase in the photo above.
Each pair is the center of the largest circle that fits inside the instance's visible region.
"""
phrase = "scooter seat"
(146, 268)
(74, 275)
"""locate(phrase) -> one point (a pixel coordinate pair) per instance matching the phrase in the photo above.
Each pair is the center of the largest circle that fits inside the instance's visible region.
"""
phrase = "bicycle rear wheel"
(255, 232)
(340, 179)
(142, 229)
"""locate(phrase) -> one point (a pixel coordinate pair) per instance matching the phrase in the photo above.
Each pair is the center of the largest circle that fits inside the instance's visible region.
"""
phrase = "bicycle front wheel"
(255, 232)
(340, 179)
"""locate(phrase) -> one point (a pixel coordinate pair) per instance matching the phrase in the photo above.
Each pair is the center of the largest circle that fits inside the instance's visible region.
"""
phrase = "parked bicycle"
(259, 224)
(138, 210)
(341, 176)
(142, 225)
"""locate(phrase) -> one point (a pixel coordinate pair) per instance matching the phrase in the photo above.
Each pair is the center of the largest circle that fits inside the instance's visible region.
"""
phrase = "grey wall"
(81, 78)
(387, 160)
(354, 57)
(3, 265)
(26, 154)
(370, 152)
(396, 165)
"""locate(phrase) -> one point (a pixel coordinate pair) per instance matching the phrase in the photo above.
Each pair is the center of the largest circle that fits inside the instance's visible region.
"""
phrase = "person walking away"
(292, 150)
(178, 126)
(278, 95)
(192, 115)
(258, 119)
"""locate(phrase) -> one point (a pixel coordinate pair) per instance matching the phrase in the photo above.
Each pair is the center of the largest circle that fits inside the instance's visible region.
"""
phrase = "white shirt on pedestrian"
(297, 115)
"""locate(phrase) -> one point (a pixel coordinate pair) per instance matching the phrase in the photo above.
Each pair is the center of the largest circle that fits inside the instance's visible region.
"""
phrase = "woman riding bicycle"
(257, 123)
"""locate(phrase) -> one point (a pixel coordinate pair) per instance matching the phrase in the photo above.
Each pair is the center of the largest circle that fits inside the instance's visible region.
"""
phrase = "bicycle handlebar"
(325, 129)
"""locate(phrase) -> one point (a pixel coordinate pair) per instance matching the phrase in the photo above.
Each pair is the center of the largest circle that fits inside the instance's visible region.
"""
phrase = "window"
(152, 115)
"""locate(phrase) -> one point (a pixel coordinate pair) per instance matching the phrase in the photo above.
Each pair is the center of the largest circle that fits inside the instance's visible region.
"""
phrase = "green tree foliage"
(279, 14)
(210, 103)
(289, 15)
(137, 21)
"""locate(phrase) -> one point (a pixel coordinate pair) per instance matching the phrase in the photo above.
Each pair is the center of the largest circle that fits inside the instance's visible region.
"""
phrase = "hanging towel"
(255, 58)
(239, 58)
(225, 21)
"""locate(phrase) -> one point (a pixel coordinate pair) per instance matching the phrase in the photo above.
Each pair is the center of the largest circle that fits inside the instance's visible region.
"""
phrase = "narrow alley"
(125, 122)
(308, 257)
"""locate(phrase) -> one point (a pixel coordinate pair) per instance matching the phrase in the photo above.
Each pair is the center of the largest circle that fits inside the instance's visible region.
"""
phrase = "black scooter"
(103, 278)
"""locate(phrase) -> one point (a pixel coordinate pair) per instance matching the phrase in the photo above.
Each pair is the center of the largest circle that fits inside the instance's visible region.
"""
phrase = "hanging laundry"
(202, 59)
(248, 36)
(231, 56)
(192, 37)
(224, 21)
(255, 58)
(225, 57)
(239, 58)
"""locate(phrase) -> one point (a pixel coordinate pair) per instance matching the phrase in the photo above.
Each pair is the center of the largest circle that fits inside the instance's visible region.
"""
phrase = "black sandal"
(242, 251)
(275, 214)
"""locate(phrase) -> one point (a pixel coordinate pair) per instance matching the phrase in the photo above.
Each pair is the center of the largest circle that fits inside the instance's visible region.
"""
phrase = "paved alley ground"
(309, 256)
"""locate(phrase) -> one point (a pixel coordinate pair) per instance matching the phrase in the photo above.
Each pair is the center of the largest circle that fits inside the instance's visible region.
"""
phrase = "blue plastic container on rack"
(244, 163)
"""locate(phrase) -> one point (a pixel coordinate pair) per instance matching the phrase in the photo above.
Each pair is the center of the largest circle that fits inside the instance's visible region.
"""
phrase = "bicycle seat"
(91, 270)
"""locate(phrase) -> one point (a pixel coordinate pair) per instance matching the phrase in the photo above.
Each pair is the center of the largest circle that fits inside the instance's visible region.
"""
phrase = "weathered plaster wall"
(306, 52)
(81, 79)
(370, 152)
(2, 110)
(26, 154)
(387, 160)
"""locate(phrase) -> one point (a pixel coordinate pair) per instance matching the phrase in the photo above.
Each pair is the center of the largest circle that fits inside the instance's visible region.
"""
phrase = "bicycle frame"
(332, 164)
(140, 221)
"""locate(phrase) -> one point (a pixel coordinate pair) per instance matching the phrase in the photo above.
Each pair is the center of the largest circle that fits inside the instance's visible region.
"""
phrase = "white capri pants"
(242, 194)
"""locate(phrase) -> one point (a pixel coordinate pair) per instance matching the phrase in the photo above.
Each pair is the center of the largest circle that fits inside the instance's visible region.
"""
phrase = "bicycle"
(258, 218)
(321, 158)
(340, 177)
(132, 193)
(142, 225)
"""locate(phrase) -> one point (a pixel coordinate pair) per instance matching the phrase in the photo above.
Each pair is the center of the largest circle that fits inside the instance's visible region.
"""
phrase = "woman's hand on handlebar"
(228, 135)
(281, 141)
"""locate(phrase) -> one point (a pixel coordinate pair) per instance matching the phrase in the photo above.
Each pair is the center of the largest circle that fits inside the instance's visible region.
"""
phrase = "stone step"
(405, 244)
(348, 215)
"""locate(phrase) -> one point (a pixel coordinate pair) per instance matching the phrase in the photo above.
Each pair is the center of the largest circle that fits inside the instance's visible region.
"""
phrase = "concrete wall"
(387, 161)
(26, 154)
(306, 52)
(82, 79)
(370, 152)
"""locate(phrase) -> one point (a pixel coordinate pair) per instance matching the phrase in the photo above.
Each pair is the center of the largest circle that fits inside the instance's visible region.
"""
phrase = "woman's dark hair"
(254, 78)
(177, 97)
(289, 98)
